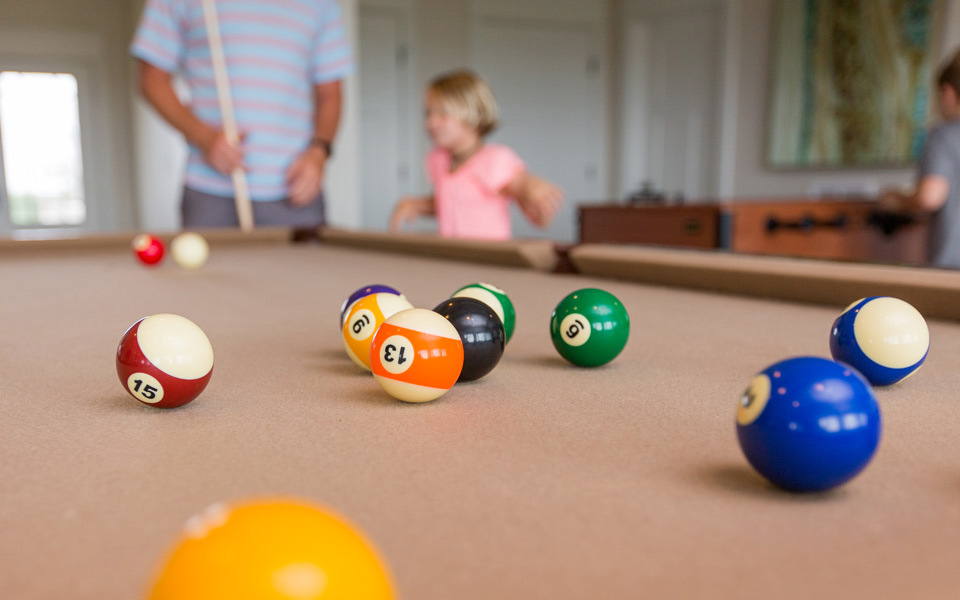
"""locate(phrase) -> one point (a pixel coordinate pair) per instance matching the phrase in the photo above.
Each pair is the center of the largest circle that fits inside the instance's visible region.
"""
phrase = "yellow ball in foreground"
(271, 550)
(190, 250)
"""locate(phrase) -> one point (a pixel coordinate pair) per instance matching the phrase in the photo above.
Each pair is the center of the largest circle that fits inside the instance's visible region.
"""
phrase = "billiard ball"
(271, 548)
(189, 250)
(416, 355)
(147, 248)
(496, 299)
(886, 339)
(480, 331)
(808, 424)
(363, 292)
(590, 327)
(164, 360)
(363, 319)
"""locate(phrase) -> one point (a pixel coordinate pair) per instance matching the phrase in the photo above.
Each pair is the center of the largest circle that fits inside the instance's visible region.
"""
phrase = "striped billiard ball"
(164, 360)
(496, 299)
(363, 292)
(416, 355)
(886, 339)
(364, 318)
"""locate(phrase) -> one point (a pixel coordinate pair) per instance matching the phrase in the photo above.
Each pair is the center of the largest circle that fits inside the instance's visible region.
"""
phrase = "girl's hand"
(408, 209)
(539, 200)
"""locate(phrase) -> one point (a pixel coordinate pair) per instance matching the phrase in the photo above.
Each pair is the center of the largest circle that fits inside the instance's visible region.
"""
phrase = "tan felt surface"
(540, 481)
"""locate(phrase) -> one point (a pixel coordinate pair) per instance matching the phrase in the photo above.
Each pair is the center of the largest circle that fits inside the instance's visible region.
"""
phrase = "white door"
(670, 103)
(387, 156)
(548, 79)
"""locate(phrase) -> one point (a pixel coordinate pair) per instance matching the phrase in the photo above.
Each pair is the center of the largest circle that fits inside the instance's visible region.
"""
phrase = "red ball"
(148, 248)
(164, 361)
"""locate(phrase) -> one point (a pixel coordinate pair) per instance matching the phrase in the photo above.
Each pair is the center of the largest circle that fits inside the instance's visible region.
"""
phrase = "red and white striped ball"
(164, 360)
(416, 355)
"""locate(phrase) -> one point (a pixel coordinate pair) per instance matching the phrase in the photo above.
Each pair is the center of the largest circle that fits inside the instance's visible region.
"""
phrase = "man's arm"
(930, 196)
(306, 173)
(156, 85)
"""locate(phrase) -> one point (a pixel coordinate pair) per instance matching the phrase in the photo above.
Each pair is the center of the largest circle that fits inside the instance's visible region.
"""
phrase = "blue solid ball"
(808, 424)
(886, 339)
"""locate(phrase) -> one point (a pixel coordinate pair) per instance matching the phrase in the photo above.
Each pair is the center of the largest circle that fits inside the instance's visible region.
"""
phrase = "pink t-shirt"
(468, 201)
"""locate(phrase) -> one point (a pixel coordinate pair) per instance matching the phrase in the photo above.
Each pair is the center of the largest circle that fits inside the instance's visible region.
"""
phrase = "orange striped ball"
(416, 355)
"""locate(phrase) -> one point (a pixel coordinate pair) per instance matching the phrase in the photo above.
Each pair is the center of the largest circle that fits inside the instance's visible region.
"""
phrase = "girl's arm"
(409, 208)
(538, 198)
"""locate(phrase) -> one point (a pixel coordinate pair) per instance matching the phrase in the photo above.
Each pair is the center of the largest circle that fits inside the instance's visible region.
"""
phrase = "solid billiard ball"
(480, 331)
(363, 292)
(808, 424)
(416, 355)
(363, 319)
(886, 339)
(271, 548)
(590, 327)
(496, 299)
(164, 360)
(189, 250)
(147, 248)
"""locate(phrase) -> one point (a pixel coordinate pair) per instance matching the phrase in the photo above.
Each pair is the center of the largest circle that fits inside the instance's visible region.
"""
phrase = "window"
(40, 142)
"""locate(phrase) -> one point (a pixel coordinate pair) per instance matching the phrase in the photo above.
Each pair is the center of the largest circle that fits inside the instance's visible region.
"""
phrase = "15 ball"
(164, 360)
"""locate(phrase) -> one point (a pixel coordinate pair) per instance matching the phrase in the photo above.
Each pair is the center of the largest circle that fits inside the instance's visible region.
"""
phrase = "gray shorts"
(201, 210)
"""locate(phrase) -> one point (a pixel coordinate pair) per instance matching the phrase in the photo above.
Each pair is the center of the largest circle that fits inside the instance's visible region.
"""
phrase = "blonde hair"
(467, 96)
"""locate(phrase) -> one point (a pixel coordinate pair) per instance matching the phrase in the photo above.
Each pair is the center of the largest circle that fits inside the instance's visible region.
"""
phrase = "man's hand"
(305, 176)
(219, 153)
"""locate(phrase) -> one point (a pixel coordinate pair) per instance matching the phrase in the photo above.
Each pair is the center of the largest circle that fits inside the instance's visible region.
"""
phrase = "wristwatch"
(327, 145)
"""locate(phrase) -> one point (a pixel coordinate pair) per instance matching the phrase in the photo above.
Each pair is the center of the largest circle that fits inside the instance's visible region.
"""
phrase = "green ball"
(590, 327)
(496, 299)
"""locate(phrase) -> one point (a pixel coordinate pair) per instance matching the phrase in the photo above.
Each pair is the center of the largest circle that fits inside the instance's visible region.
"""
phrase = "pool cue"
(241, 192)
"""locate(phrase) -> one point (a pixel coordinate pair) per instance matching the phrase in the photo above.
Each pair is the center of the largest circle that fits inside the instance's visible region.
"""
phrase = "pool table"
(541, 480)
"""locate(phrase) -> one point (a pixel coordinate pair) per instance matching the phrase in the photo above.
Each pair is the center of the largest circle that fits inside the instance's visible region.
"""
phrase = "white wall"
(90, 36)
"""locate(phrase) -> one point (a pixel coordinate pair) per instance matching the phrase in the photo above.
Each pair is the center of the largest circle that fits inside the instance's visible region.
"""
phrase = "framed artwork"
(852, 82)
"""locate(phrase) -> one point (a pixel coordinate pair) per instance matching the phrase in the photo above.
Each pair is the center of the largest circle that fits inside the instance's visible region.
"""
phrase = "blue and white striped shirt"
(276, 51)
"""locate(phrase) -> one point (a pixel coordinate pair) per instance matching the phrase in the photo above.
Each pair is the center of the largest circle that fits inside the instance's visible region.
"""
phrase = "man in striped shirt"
(285, 60)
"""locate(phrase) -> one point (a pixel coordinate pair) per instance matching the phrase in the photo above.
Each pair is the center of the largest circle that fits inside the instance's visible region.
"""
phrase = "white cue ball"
(190, 250)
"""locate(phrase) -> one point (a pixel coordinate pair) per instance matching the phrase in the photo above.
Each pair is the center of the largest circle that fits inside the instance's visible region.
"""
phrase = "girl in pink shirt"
(473, 182)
